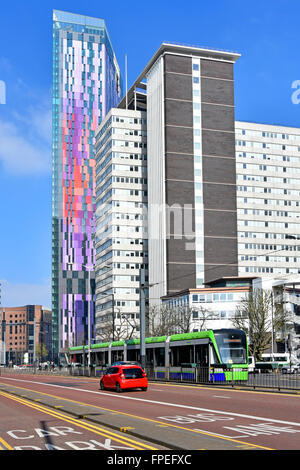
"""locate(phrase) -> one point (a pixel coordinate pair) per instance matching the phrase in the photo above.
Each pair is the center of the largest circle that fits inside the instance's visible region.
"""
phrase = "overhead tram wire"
(215, 267)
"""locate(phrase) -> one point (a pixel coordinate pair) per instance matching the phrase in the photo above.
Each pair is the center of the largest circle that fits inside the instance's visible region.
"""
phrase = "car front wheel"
(101, 385)
(144, 389)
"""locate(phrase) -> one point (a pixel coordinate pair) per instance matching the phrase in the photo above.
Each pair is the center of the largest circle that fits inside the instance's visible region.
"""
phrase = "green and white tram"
(217, 355)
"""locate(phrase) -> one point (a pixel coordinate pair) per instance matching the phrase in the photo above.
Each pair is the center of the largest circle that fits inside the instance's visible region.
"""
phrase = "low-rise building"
(26, 334)
(214, 306)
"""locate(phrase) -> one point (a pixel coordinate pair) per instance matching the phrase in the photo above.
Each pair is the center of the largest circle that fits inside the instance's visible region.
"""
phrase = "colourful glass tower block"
(86, 84)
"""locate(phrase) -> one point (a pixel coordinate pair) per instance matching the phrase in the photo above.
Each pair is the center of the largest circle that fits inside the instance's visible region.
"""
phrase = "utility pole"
(34, 345)
(109, 266)
(142, 318)
(272, 321)
(113, 316)
(3, 332)
(3, 341)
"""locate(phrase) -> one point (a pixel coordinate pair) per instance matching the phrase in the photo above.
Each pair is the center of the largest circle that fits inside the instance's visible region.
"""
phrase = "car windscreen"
(133, 373)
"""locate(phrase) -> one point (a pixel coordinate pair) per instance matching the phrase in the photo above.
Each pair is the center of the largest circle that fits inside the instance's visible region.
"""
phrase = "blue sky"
(265, 33)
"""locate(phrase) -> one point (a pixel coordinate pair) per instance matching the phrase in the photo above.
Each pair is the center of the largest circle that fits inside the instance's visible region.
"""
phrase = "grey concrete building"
(192, 217)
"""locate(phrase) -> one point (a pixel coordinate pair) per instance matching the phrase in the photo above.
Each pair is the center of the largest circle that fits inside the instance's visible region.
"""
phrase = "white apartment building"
(210, 307)
(121, 222)
(286, 290)
(268, 199)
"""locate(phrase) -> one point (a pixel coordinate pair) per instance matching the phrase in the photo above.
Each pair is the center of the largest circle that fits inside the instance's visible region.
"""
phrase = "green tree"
(41, 351)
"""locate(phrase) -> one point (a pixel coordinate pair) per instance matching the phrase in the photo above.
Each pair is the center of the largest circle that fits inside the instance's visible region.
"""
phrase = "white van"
(251, 364)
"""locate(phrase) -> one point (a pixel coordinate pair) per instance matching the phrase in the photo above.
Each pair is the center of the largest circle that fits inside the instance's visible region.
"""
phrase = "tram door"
(202, 355)
(202, 360)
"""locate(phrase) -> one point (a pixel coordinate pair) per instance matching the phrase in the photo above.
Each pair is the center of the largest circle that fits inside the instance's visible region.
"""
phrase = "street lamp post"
(109, 266)
(3, 332)
(113, 315)
(142, 319)
(143, 287)
(272, 324)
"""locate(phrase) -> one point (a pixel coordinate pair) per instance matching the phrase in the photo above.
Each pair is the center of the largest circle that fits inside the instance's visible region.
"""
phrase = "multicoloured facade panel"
(86, 84)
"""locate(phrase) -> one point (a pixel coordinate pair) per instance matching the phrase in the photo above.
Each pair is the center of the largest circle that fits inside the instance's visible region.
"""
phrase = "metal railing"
(269, 380)
(274, 380)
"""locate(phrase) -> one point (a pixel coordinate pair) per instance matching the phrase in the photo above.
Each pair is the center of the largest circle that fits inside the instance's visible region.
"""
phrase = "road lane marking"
(5, 444)
(220, 396)
(254, 430)
(156, 402)
(195, 431)
(232, 390)
(192, 386)
(87, 426)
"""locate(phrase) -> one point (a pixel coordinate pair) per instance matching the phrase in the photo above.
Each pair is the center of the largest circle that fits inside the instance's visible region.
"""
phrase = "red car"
(123, 377)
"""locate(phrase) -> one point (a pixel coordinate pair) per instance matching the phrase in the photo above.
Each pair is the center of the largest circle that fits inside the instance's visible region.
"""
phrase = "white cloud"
(25, 134)
(18, 295)
(37, 119)
(20, 153)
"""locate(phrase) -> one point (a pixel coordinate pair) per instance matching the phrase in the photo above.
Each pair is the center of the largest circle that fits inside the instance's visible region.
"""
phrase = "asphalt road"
(28, 425)
(173, 416)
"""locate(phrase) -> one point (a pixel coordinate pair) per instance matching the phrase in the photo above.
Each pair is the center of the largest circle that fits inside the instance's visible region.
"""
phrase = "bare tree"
(283, 319)
(123, 327)
(159, 321)
(167, 320)
(261, 319)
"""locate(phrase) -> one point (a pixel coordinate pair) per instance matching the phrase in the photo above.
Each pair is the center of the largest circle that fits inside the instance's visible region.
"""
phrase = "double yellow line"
(159, 423)
(5, 444)
(130, 443)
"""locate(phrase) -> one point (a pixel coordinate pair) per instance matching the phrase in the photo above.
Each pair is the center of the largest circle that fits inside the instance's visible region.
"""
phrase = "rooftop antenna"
(126, 80)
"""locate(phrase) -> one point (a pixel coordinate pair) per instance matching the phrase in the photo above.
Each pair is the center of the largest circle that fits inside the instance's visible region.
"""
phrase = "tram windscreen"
(232, 346)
